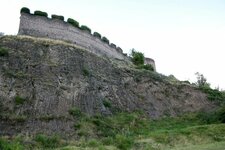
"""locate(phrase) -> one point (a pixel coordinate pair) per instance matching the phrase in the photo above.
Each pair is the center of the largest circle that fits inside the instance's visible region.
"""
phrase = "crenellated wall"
(41, 26)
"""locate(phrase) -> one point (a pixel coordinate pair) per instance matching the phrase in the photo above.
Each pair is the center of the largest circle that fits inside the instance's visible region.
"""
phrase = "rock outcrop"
(42, 79)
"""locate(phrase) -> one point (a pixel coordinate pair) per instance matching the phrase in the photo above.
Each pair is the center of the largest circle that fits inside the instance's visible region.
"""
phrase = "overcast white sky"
(182, 36)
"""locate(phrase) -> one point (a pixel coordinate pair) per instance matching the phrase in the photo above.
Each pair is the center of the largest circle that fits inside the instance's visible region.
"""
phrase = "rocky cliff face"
(42, 79)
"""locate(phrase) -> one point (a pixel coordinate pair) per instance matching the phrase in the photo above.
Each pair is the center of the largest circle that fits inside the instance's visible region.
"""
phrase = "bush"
(107, 103)
(75, 112)
(137, 57)
(85, 28)
(58, 17)
(201, 80)
(4, 51)
(221, 114)
(86, 72)
(215, 116)
(104, 39)
(73, 22)
(96, 34)
(40, 13)
(213, 94)
(19, 100)
(25, 10)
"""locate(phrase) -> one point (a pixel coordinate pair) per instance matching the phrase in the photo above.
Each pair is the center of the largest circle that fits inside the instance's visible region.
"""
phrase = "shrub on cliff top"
(73, 22)
(96, 34)
(58, 17)
(83, 27)
(25, 10)
(40, 13)
(104, 39)
(137, 57)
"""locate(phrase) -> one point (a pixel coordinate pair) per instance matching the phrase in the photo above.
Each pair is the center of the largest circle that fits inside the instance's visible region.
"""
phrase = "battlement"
(39, 25)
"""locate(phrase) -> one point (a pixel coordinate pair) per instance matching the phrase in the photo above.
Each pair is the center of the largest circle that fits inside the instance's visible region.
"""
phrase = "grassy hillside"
(133, 131)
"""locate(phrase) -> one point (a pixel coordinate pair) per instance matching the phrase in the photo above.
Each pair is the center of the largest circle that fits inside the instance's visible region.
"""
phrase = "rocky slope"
(42, 79)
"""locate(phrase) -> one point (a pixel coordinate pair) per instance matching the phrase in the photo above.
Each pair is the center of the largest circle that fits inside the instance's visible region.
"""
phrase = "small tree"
(137, 57)
(202, 81)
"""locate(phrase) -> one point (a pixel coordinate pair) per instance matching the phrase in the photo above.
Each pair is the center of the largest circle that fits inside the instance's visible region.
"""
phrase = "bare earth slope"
(42, 79)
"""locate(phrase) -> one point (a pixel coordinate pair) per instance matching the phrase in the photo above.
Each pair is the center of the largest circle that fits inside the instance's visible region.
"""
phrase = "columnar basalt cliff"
(41, 80)
(42, 26)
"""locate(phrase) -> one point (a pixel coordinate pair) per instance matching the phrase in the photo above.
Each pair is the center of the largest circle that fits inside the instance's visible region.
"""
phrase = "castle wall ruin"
(41, 26)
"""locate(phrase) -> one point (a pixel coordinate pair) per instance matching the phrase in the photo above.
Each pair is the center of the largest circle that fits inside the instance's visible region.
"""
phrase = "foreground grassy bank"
(132, 131)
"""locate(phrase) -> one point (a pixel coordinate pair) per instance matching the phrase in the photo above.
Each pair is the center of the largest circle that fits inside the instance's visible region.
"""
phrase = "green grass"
(213, 94)
(210, 146)
(107, 103)
(135, 131)
(20, 100)
(10, 144)
(48, 141)
(75, 112)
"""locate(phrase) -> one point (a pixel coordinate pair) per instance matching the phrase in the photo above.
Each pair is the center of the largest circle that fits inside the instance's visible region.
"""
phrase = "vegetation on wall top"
(85, 28)
(212, 94)
(40, 13)
(73, 22)
(25, 10)
(58, 17)
(113, 45)
(104, 39)
(98, 35)
(138, 59)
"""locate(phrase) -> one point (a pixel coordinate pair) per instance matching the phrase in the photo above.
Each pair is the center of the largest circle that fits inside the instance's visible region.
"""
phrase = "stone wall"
(151, 62)
(40, 26)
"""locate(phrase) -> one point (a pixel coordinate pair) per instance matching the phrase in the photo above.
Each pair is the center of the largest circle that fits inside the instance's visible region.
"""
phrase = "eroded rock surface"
(42, 79)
